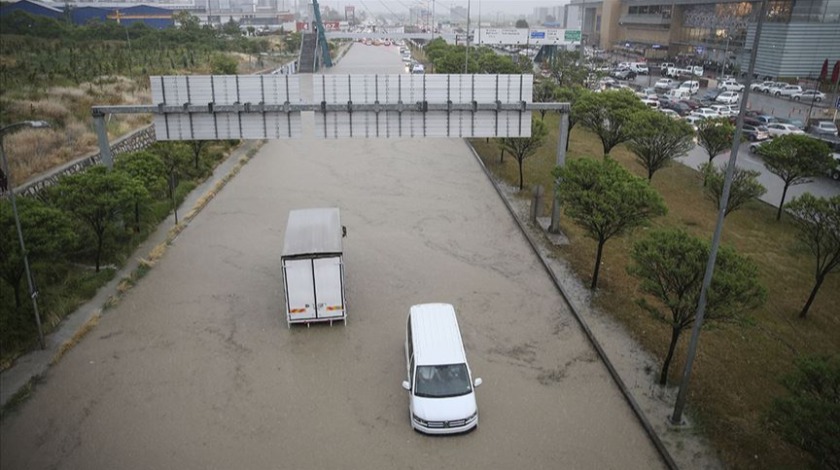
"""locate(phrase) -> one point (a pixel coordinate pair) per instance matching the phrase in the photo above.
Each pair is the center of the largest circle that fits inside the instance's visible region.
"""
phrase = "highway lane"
(195, 368)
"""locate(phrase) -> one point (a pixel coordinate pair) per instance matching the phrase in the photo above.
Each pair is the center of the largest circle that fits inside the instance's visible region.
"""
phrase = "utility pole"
(676, 416)
(467, 54)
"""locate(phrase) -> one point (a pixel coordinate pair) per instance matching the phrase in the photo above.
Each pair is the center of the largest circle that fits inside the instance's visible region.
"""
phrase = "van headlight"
(419, 421)
(472, 418)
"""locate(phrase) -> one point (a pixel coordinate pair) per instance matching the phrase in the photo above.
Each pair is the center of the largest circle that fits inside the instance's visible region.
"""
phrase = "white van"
(441, 390)
(693, 86)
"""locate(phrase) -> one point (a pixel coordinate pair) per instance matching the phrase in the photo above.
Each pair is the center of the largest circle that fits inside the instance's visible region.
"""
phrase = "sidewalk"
(36, 363)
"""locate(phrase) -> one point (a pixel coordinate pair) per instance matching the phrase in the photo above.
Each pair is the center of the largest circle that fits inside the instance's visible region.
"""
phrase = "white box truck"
(313, 267)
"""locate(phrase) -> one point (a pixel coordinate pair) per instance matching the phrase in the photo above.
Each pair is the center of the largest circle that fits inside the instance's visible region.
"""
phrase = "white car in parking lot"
(788, 90)
(776, 129)
(704, 113)
(722, 109)
(728, 97)
(665, 84)
(808, 95)
(761, 86)
(731, 85)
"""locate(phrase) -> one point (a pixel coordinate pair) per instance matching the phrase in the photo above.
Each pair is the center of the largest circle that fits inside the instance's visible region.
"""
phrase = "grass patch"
(20, 396)
(739, 363)
(81, 333)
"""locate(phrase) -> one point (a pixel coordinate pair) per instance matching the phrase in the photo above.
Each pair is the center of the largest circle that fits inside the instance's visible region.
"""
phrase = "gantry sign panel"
(419, 105)
(217, 91)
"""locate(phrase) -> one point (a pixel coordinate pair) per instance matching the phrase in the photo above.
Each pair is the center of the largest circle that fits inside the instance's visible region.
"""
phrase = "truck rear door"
(300, 289)
(329, 290)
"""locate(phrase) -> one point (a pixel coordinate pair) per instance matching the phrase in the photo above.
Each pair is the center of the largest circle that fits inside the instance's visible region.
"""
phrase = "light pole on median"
(33, 293)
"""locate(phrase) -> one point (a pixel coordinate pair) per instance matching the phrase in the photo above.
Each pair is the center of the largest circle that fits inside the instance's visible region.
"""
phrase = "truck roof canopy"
(312, 232)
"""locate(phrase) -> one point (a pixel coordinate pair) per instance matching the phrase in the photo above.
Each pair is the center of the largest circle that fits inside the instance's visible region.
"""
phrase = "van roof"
(313, 231)
(436, 337)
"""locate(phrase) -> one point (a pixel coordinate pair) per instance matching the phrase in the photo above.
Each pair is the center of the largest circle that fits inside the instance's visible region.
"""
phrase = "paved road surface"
(197, 369)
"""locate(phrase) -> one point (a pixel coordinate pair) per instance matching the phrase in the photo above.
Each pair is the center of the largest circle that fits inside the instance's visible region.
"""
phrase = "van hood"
(445, 409)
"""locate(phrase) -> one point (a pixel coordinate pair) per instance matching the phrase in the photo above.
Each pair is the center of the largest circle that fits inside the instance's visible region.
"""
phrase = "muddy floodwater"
(197, 369)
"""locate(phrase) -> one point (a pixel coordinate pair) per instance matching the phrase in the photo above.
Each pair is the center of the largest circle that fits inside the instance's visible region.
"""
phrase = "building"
(797, 36)
(82, 13)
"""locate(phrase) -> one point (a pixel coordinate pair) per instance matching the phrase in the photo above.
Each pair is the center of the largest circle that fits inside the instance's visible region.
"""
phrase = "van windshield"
(444, 381)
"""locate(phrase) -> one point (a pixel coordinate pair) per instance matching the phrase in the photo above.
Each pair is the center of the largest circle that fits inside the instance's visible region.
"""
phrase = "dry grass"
(34, 151)
(739, 364)
(80, 333)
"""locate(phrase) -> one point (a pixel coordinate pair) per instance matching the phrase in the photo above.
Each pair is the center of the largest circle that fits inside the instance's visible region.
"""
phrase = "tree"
(544, 93)
(197, 147)
(606, 200)
(186, 21)
(147, 169)
(223, 65)
(796, 159)
(607, 115)
(176, 159)
(745, 186)
(715, 135)
(96, 197)
(523, 147)
(671, 265)
(232, 28)
(809, 416)
(568, 69)
(47, 234)
(818, 225)
(657, 140)
(570, 95)
(521, 24)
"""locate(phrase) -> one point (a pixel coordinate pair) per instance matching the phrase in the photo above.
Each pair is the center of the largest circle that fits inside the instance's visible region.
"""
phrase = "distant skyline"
(488, 7)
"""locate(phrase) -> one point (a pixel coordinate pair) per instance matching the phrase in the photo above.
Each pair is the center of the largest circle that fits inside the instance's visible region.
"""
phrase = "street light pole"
(33, 293)
(676, 416)
(467, 54)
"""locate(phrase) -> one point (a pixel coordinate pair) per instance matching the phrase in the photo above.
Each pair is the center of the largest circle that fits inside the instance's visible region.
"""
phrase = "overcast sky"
(523, 7)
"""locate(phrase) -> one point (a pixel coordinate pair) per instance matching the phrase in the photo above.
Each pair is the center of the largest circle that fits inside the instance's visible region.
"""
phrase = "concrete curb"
(625, 392)
(36, 363)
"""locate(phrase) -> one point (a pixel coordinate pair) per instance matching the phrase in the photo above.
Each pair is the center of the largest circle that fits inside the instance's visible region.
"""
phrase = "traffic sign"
(837, 103)
(571, 35)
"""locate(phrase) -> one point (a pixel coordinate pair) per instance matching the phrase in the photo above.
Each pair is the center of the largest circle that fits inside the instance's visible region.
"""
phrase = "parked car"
(728, 97)
(734, 109)
(775, 88)
(711, 94)
(705, 113)
(761, 87)
(678, 107)
(755, 146)
(822, 127)
(722, 109)
(651, 103)
(623, 74)
(693, 120)
(808, 95)
(639, 68)
(777, 128)
(670, 113)
(765, 118)
(755, 132)
(665, 66)
(693, 86)
(731, 85)
(796, 122)
(692, 104)
(665, 84)
(788, 90)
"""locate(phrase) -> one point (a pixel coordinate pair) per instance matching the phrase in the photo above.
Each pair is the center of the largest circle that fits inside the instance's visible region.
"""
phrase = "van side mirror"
(343, 231)
(406, 385)
(477, 382)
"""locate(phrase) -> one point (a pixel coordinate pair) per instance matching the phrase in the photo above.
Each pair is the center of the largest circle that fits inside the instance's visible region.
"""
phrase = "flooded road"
(196, 368)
